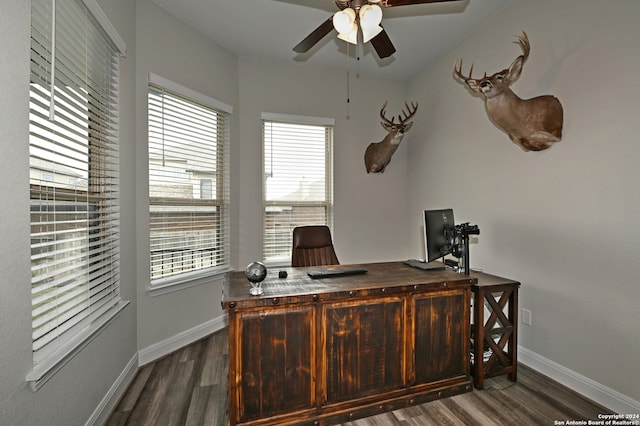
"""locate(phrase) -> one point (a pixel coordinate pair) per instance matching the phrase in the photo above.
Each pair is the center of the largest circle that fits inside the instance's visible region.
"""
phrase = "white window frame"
(53, 356)
(167, 284)
(329, 124)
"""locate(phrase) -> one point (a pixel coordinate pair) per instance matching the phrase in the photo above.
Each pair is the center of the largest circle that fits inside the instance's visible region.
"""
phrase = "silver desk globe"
(256, 272)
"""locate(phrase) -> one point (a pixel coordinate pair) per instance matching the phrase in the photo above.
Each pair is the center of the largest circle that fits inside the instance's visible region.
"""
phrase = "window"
(74, 188)
(298, 186)
(188, 183)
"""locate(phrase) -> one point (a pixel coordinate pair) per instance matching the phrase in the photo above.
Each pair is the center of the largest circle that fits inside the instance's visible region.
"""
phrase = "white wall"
(369, 210)
(169, 48)
(562, 221)
(73, 394)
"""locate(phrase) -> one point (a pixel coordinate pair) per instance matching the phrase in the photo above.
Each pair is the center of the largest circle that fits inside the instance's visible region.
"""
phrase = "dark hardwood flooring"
(189, 387)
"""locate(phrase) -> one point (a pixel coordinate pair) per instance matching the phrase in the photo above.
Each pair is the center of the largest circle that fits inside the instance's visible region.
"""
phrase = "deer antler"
(523, 41)
(408, 114)
(383, 112)
(457, 69)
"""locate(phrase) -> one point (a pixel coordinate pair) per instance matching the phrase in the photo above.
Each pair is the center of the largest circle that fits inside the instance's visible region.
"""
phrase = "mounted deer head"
(378, 154)
(534, 123)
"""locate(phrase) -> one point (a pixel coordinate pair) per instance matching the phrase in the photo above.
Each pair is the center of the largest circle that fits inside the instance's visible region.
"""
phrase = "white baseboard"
(591, 389)
(145, 356)
(173, 343)
(102, 411)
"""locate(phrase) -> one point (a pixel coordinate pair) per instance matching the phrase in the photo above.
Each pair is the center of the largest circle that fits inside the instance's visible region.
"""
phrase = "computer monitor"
(439, 233)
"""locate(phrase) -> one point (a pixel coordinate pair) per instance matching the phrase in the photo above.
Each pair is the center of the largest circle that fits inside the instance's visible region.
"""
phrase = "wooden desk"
(331, 350)
(495, 345)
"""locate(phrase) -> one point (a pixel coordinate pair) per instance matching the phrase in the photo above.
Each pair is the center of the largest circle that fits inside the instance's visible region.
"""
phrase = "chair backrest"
(312, 246)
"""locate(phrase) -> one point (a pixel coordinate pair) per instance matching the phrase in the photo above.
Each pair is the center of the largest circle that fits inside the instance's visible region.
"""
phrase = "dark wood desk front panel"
(362, 347)
(440, 336)
(276, 360)
(330, 350)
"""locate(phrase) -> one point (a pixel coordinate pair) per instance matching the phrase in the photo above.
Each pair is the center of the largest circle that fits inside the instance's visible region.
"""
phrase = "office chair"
(312, 246)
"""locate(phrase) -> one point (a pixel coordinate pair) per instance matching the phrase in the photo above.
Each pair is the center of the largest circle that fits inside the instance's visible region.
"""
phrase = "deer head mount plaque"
(533, 124)
(378, 154)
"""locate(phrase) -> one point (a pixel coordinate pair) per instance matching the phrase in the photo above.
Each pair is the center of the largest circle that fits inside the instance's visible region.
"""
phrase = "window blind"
(73, 146)
(188, 185)
(297, 166)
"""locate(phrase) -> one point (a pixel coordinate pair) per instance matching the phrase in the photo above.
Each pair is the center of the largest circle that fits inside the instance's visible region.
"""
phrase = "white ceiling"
(269, 29)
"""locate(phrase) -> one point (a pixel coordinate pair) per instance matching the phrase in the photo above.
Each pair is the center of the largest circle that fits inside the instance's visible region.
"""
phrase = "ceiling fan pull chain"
(348, 80)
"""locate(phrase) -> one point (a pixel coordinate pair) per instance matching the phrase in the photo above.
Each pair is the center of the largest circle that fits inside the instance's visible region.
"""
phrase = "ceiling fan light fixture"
(351, 36)
(370, 16)
(369, 33)
(344, 21)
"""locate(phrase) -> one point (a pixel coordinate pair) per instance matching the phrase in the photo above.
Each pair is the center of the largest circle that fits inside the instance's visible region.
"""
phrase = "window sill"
(169, 285)
(42, 372)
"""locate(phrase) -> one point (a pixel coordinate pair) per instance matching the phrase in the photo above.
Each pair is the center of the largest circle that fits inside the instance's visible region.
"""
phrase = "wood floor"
(189, 387)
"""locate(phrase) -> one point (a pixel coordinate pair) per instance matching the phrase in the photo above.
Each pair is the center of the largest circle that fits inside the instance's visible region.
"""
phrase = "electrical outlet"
(526, 316)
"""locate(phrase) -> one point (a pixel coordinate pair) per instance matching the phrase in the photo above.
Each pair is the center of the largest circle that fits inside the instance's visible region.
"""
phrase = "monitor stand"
(463, 231)
(463, 263)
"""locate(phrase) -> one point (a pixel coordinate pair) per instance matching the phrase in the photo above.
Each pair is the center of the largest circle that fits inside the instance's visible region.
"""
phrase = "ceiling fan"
(359, 15)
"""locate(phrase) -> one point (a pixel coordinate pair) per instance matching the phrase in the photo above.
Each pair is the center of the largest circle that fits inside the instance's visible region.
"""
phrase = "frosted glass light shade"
(344, 20)
(351, 36)
(369, 33)
(370, 16)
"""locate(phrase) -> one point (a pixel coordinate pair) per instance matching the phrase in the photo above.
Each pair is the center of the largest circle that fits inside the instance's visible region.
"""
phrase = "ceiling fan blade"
(382, 44)
(392, 3)
(315, 36)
